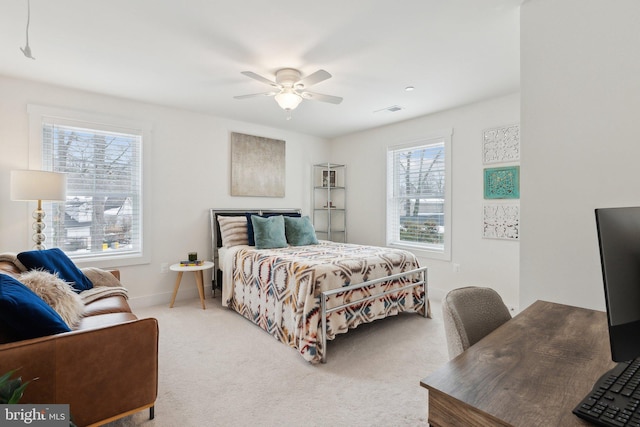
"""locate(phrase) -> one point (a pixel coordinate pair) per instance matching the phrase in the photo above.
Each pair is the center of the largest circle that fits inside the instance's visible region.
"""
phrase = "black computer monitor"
(619, 239)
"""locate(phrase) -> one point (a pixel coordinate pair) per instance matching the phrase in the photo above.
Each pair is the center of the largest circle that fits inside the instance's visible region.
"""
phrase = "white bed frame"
(419, 272)
(324, 311)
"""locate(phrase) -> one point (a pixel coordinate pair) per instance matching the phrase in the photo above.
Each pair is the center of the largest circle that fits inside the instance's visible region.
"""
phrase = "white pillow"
(233, 230)
(55, 292)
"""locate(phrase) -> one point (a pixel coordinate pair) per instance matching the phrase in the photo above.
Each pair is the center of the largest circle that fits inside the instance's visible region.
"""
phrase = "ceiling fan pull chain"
(27, 49)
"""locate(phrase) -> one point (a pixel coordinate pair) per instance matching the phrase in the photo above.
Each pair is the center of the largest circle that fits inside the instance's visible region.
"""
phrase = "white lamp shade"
(38, 185)
(288, 100)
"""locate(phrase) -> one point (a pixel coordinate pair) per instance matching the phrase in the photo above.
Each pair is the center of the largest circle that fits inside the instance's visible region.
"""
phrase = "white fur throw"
(57, 293)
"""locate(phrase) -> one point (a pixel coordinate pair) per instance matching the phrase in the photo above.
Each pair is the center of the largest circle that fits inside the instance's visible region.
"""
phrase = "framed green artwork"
(502, 183)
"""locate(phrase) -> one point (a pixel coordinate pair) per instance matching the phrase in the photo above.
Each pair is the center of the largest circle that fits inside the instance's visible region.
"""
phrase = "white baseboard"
(165, 298)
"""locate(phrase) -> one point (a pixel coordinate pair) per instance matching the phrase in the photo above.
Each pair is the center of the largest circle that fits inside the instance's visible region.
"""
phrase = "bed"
(306, 294)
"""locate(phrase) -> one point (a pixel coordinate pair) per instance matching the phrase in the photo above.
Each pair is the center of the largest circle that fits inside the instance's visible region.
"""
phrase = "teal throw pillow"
(250, 234)
(25, 314)
(269, 232)
(300, 231)
(55, 261)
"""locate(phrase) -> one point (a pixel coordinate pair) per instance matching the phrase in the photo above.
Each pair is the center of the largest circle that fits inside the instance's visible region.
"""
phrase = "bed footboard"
(324, 297)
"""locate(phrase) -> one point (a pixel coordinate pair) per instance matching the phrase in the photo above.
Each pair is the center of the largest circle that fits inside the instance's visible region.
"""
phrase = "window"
(102, 217)
(419, 196)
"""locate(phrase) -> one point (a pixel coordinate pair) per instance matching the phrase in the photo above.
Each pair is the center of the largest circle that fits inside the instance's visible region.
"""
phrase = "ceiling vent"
(391, 109)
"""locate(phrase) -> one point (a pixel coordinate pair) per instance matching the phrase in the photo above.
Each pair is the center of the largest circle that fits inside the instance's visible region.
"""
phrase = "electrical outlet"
(456, 267)
(164, 268)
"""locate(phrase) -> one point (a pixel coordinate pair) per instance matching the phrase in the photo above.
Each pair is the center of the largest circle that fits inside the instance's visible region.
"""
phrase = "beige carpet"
(218, 369)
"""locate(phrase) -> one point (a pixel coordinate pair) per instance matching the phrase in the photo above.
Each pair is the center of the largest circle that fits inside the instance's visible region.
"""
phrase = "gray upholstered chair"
(469, 315)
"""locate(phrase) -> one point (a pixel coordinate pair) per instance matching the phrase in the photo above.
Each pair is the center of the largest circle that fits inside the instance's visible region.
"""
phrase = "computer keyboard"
(615, 398)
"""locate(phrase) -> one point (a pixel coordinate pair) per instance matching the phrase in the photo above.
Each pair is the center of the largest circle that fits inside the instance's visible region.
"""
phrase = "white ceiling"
(189, 54)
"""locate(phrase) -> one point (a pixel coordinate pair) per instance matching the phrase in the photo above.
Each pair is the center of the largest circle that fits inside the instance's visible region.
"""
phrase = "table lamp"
(30, 185)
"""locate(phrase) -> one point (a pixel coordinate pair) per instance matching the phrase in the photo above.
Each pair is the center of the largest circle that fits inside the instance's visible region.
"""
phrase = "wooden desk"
(532, 371)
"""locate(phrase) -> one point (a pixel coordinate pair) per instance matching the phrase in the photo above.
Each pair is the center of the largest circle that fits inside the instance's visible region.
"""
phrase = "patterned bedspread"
(279, 289)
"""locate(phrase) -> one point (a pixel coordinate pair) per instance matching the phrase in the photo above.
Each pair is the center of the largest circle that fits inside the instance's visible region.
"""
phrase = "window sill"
(114, 261)
(423, 252)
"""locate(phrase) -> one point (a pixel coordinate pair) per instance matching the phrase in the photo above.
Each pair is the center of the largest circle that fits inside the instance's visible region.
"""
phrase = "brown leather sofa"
(104, 370)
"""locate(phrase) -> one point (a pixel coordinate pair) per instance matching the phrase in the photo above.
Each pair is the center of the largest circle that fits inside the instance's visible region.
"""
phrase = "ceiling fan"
(289, 88)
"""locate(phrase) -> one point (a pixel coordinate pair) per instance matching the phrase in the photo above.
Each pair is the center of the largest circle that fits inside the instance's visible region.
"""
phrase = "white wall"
(190, 174)
(483, 262)
(580, 90)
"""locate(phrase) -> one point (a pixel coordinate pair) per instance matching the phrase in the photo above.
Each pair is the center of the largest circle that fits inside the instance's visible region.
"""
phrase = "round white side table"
(197, 270)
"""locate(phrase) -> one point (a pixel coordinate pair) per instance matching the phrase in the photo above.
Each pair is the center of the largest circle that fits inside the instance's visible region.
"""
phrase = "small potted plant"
(11, 390)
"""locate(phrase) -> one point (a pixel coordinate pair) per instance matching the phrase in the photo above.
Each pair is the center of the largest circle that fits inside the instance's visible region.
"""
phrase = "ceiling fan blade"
(314, 78)
(320, 97)
(254, 95)
(259, 78)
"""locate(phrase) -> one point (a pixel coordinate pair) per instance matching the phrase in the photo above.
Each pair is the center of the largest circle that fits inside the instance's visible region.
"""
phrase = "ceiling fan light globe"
(288, 100)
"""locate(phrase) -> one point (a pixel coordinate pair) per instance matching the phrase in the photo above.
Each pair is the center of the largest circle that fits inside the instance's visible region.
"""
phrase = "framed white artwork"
(501, 221)
(501, 144)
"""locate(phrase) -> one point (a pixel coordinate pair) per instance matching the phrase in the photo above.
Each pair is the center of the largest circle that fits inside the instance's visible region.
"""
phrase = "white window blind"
(418, 200)
(102, 215)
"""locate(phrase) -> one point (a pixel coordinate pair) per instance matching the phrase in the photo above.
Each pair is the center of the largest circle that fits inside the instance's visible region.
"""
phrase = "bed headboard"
(216, 240)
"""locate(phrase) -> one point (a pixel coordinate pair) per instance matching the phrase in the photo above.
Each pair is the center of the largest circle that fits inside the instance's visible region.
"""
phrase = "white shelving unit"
(329, 201)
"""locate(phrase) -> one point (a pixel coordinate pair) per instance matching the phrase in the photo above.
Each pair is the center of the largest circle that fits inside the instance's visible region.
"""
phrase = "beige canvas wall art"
(257, 166)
